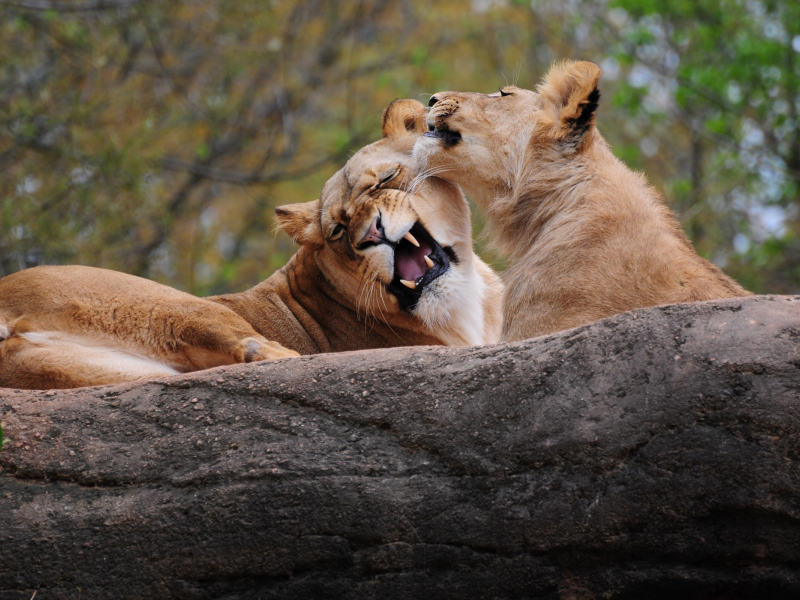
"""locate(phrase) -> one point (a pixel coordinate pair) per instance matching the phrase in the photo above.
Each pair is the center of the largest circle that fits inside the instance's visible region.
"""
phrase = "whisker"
(381, 294)
(419, 179)
(370, 298)
(362, 288)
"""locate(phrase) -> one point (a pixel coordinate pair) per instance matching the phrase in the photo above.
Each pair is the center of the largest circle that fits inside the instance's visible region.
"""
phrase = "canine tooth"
(428, 261)
(411, 239)
(409, 284)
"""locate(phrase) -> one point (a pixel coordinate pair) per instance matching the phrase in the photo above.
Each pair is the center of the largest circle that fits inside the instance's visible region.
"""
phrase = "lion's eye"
(504, 94)
(387, 177)
(337, 231)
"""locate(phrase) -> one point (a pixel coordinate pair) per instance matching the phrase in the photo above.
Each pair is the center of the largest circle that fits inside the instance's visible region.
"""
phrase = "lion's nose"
(375, 235)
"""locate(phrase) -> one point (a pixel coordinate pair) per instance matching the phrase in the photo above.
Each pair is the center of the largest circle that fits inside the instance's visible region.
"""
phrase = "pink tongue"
(411, 261)
(409, 268)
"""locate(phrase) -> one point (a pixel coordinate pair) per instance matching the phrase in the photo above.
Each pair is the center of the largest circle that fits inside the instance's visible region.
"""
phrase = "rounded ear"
(570, 95)
(402, 117)
(301, 222)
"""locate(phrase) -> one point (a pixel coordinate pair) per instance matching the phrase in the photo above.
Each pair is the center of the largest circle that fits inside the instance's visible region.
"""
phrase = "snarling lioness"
(587, 237)
(384, 260)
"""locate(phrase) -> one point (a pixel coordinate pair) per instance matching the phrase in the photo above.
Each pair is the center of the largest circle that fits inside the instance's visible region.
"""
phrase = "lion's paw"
(256, 350)
(443, 109)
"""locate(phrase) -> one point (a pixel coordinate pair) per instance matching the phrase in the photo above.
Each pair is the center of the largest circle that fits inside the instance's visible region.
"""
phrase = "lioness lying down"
(383, 261)
(587, 237)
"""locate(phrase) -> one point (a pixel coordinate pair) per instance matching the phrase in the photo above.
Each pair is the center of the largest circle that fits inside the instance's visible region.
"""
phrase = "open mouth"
(416, 266)
(448, 136)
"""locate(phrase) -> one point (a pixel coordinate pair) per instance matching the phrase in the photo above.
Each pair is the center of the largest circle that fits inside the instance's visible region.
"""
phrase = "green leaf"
(419, 55)
(203, 151)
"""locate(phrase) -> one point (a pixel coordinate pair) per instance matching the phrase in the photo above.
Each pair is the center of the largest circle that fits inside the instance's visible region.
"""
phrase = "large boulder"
(654, 454)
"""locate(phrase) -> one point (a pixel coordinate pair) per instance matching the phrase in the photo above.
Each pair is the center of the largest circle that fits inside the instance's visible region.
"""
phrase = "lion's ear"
(402, 117)
(570, 95)
(301, 222)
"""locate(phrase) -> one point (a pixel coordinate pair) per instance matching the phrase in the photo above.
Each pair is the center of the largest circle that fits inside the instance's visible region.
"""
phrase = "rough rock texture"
(651, 455)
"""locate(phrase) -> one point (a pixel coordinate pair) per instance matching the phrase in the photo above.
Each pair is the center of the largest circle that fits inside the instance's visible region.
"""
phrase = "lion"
(385, 259)
(587, 237)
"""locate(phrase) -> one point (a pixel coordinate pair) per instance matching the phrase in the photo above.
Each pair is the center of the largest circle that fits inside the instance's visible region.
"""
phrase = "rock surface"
(650, 455)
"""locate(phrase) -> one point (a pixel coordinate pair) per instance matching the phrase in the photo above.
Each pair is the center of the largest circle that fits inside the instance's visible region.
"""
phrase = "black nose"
(433, 100)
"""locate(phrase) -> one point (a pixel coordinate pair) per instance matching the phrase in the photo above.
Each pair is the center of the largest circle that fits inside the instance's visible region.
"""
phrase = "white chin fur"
(452, 306)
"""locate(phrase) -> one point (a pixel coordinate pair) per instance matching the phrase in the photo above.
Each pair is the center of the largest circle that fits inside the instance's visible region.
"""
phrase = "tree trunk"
(650, 455)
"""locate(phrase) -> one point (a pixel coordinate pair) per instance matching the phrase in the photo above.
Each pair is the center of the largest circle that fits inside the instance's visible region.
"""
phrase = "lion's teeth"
(411, 239)
(409, 284)
(428, 262)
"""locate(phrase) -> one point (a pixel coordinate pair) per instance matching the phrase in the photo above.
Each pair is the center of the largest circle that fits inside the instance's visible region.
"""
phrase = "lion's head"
(585, 236)
(398, 245)
(489, 142)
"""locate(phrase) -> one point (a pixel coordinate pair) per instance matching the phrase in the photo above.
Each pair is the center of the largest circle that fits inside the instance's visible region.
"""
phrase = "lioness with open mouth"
(384, 260)
(587, 237)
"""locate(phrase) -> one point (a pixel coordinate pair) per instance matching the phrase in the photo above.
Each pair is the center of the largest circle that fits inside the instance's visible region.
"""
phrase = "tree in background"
(712, 87)
(156, 137)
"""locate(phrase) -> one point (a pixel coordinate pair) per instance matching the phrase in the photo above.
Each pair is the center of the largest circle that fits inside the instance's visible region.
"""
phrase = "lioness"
(383, 261)
(587, 237)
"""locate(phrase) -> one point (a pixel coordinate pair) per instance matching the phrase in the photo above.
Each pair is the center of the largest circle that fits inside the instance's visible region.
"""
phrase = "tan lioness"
(587, 237)
(383, 261)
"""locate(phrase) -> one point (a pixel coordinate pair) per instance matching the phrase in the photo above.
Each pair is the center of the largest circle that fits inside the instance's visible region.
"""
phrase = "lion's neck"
(302, 310)
(549, 194)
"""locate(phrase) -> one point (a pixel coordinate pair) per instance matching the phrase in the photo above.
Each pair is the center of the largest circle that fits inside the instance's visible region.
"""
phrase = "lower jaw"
(407, 298)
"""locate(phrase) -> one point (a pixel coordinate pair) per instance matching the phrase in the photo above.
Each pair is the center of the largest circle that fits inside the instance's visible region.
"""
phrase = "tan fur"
(73, 326)
(587, 237)
(338, 293)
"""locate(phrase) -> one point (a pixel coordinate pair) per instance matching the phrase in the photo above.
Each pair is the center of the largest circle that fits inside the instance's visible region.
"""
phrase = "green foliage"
(732, 73)
(158, 140)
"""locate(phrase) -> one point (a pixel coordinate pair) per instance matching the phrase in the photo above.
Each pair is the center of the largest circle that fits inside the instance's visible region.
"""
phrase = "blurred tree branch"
(155, 138)
(253, 178)
(87, 6)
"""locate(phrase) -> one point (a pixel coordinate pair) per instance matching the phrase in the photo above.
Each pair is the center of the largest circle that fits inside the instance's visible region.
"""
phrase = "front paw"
(441, 110)
(255, 350)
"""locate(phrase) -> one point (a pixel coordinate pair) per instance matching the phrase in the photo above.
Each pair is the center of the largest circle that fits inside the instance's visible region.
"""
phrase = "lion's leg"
(210, 335)
(36, 359)
(219, 347)
(182, 331)
(83, 326)
(51, 359)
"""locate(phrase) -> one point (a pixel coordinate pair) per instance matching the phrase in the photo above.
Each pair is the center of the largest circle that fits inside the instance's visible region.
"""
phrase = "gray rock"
(650, 455)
